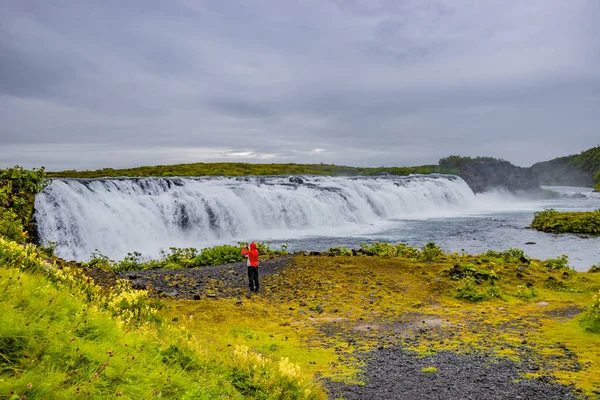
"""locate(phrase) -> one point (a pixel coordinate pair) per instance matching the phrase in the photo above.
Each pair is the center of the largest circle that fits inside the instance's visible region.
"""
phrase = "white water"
(117, 216)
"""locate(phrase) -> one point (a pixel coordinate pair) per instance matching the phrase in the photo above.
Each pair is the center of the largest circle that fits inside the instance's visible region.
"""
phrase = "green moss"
(551, 220)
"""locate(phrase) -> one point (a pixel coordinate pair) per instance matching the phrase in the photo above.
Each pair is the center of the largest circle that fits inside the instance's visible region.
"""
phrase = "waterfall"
(117, 216)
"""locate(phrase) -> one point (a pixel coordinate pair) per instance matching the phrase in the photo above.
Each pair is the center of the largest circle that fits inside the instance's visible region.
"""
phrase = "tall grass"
(62, 337)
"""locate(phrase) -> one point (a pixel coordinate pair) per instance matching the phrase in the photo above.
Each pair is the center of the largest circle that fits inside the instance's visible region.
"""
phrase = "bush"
(512, 255)
(467, 290)
(594, 269)
(220, 255)
(525, 293)
(591, 319)
(388, 250)
(558, 264)
(431, 251)
(18, 188)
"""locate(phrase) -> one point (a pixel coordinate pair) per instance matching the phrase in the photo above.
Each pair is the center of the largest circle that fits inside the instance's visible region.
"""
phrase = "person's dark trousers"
(253, 278)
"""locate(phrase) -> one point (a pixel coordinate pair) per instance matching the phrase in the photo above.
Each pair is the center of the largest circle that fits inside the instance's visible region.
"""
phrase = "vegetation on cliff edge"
(18, 188)
(554, 221)
(241, 169)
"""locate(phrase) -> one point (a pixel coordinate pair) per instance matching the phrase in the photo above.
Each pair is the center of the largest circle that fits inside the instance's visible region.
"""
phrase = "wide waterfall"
(117, 216)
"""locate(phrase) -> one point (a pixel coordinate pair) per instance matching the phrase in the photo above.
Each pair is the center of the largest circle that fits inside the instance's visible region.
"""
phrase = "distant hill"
(241, 169)
(575, 170)
(481, 173)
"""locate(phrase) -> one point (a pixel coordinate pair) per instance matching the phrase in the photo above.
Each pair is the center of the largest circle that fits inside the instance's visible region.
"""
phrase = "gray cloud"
(95, 84)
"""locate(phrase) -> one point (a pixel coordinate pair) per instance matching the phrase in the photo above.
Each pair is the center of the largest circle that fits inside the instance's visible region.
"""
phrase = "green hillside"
(581, 169)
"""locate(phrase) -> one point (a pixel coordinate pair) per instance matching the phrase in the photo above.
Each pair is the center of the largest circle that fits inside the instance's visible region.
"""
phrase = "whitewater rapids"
(117, 216)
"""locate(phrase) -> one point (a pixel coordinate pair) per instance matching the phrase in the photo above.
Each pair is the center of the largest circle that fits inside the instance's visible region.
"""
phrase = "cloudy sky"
(110, 83)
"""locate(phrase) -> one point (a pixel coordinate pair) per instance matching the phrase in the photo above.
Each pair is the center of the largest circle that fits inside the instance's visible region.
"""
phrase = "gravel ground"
(195, 283)
(394, 373)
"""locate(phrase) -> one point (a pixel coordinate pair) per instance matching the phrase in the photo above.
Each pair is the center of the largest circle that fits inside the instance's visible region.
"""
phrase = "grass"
(63, 337)
(71, 339)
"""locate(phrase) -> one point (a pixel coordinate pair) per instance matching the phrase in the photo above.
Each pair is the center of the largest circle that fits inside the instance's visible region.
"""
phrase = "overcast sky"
(87, 84)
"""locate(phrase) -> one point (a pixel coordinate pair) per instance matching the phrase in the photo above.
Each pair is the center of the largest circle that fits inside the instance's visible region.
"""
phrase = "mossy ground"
(320, 311)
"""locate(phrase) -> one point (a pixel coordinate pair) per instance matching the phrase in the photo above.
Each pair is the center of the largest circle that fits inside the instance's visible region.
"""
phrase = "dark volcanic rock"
(296, 179)
(484, 176)
(394, 373)
(559, 172)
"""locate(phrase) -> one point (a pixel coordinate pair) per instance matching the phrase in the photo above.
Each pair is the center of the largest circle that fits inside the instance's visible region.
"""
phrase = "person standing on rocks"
(252, 263)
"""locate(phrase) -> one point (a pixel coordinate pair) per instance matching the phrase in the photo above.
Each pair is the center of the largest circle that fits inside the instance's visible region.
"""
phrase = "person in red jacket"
(252, 263)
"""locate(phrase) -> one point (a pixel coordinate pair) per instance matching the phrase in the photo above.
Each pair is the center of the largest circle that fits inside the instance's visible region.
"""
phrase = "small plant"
(431, 251)
(557, 264)
(512, 255)
(429, 369)
(49, 249)
(467, 291)
(339, 251)
(525, 293)
(594, 269)
(591, 319)
(99, 260)
(494, 292)
(220, 255)
(132, 261)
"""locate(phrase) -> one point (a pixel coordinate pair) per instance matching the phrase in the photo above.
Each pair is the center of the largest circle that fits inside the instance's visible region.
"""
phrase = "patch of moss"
(551, 220)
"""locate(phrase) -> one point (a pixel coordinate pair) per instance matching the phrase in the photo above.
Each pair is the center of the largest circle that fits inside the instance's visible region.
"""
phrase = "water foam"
(117, 216)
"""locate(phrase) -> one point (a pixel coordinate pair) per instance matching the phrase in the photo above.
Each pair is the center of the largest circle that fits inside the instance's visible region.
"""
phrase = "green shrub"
(494, 292)
(525, 293)
(512, 255)
(49, 249)
(99, 260)
(18, 188)
(339, 251)
(467, 290)
(219, 255)
(594, 269)
(431, 251)
(11, 226)
(559, 263)
(591, 319)
(382, 249)
(131, 262)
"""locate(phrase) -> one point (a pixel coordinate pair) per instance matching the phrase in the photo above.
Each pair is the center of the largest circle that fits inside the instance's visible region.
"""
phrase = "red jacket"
(252, 254)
